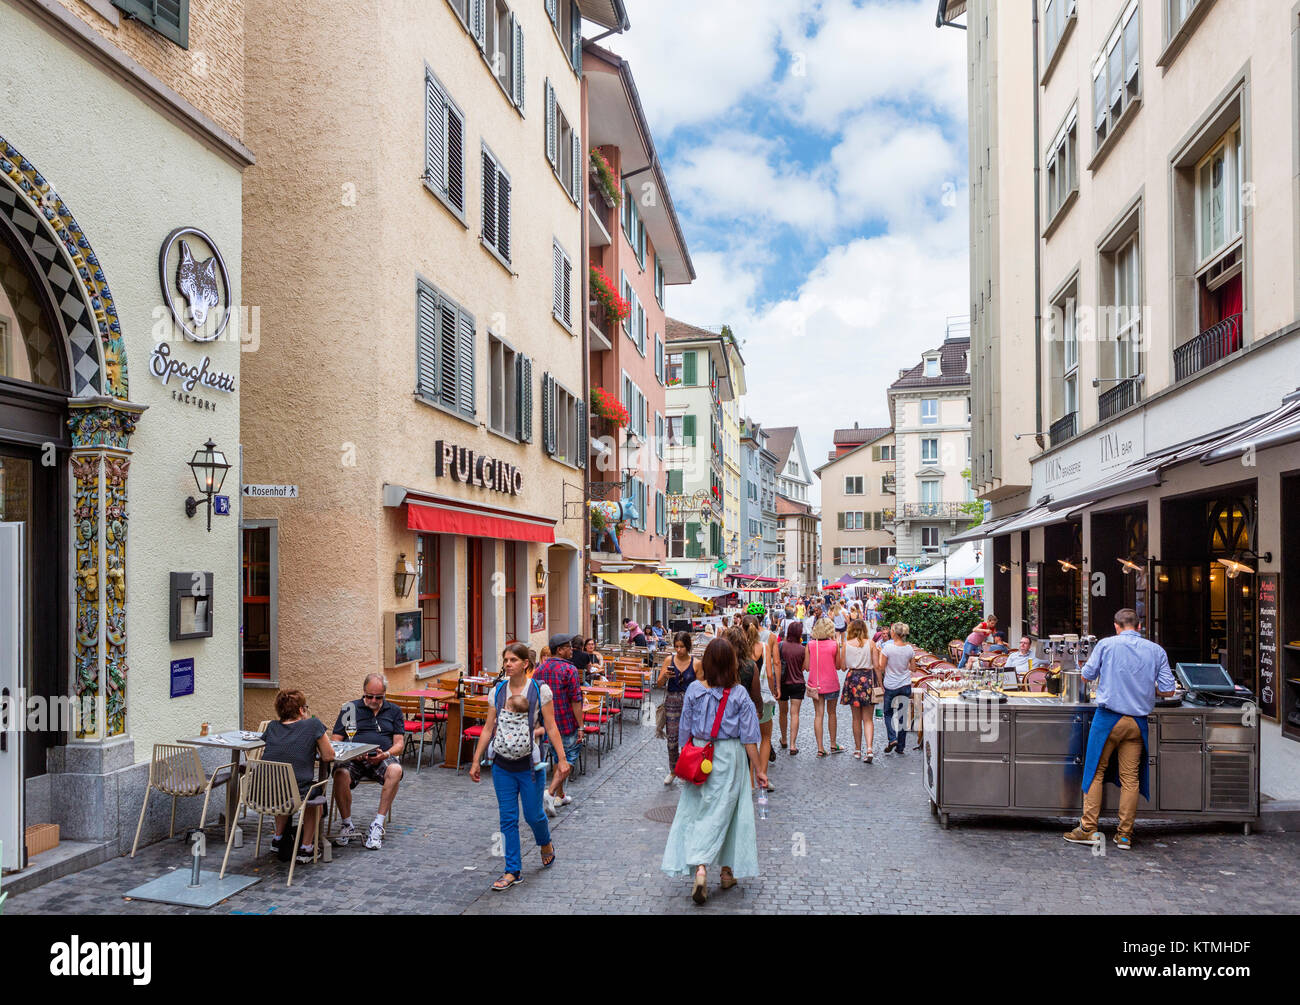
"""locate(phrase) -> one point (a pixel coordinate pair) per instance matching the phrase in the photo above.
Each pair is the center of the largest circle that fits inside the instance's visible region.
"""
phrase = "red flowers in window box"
(605, 293)
(605, 406)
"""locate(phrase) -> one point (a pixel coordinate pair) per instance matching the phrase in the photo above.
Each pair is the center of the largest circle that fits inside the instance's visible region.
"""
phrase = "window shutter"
(446, 353)
(1131, 50)
(548, 443)
(836, 559)
(523, 399)
(553, 11)
(435, 135)
(692, 545)
(465, 363)
(688, 430)
(557, 282)
(489, 200)
(877, 518)
(839, 521)
(567, 304)
(455, 159)
(169, 18)
(426, 345)
(552, 147)
(688, 369)
(675, 482)
(478, 22)
(1099, 104)
(875, 453)
(503, 215)
(580, 416)
(575, 45)
(520, 89)
(578, 165)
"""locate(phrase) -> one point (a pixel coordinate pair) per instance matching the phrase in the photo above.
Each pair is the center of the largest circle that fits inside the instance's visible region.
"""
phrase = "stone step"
(67, 858)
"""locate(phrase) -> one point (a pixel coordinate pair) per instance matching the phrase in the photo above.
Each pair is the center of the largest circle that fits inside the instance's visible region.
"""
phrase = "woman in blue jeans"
(514, 777)
(896, 659)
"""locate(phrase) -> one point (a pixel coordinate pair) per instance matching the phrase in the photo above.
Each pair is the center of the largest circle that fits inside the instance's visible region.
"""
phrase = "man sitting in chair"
(1021, 661)
(380, 722)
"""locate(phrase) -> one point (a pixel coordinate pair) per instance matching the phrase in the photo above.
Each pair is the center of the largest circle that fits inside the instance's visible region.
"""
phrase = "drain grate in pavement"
(661, 814)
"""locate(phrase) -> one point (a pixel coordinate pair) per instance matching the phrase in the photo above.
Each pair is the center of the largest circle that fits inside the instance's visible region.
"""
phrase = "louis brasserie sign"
(461, 464)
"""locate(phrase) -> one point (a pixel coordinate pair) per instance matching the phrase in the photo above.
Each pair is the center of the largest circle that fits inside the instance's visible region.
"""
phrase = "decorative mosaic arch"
(101, 432)
(81, 293)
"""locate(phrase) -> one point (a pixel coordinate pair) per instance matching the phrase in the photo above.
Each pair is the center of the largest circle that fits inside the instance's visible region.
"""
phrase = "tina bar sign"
(462, 465)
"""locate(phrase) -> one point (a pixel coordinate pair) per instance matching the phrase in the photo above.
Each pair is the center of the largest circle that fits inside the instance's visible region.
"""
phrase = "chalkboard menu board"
(1269, 685)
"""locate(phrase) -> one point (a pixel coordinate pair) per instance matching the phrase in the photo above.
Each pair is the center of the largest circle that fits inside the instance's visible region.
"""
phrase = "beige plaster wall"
(333, 382)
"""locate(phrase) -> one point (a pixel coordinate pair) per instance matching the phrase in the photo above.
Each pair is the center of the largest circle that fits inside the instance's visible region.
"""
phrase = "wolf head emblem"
(198, 283)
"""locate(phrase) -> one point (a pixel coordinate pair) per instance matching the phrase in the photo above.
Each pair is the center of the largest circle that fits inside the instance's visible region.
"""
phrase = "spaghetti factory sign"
(461, 464)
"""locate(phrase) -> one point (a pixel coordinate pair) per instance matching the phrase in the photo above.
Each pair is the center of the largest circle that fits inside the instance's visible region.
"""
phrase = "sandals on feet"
(821, 753)
(503, 884)
(857, 754)
(548, 862)
(700, 889)
(837, 749)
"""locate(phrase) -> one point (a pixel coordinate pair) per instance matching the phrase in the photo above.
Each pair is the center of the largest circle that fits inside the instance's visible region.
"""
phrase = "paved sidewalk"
(842, 837)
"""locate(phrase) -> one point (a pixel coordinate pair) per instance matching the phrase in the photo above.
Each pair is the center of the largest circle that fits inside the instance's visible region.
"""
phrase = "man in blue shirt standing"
(1130, 672)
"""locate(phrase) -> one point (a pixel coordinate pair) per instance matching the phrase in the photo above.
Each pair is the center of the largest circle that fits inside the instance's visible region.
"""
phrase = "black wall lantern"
(209, 466)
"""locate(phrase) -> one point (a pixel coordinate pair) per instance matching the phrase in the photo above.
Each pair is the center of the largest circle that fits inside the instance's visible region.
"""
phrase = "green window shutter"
(875, 453)
(688, 430)
(689, 375)
(524, 397)
(169, 18)
(692, 545)
(839, 521)
(675, 482)
(548, 414)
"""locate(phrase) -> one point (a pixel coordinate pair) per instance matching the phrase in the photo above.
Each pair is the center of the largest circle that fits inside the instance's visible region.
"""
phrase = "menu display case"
(1288, 642)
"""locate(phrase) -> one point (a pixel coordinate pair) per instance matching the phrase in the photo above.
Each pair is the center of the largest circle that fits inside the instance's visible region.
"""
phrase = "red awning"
(443, 518)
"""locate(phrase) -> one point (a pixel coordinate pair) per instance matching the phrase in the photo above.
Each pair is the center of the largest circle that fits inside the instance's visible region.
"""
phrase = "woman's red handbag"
(694, 764)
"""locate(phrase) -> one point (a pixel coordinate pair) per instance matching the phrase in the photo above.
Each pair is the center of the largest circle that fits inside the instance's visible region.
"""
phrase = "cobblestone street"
(841, 837)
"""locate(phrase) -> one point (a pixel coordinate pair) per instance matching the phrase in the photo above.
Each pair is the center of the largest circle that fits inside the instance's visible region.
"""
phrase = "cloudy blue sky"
(816, 153)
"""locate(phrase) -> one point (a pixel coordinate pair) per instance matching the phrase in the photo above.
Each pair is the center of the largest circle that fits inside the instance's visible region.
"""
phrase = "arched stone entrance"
(95, 459)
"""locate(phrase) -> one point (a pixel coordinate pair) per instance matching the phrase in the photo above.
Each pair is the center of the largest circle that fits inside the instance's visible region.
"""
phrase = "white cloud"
(886, 169)
(881, 52)
(693, 61)
(742, 177)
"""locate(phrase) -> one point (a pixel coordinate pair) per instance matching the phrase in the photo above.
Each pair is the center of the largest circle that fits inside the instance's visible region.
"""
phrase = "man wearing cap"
(559, 674)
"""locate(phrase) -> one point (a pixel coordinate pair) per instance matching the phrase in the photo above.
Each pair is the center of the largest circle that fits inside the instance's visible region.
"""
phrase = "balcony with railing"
(601, 326)
(933, 511)
(1125, 394)
(889, 484)
(1207, 348)
(1064, 428)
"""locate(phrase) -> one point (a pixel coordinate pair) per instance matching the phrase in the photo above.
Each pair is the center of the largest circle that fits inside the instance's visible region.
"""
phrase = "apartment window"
(1063, 165)
(1057, 14)
(1178, 11)
(169, 18)
(677, 540)
(853, 485)
(562, 286)
(566, 19)
(659, 281)
(1128, 311)
(886, 484)
(674, 373)
(444, 146)
(1218, 198)
(1065, 353)
(496, 207)
(932, 366)
(503, 388)
(887, 452)
(929, 411)
(930, 491)
(1115, 79)
(563, 147)
(564, 423)
(659, 358)
(640, 328)
(930, 450)
(444, 352)
(503, 45)
(929, 537)
(428, 574)
(512, 591)
(674, 431)
(635, 403)
(633, 225)
(261, 601)
(854, 520)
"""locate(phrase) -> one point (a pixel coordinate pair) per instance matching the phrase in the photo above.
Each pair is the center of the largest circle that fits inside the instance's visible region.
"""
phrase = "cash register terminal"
(1209, 684)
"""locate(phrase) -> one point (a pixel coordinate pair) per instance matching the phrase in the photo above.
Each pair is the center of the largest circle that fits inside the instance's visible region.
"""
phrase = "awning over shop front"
(435, 514)
(647, 584)
(1272, 430)
(1036, 516)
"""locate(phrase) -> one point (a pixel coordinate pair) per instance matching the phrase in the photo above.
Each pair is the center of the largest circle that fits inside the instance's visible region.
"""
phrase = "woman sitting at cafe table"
(297, 738)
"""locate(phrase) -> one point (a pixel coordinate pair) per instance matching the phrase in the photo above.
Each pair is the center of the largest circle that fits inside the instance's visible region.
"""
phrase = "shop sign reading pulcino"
(164, 366)
(463, 465)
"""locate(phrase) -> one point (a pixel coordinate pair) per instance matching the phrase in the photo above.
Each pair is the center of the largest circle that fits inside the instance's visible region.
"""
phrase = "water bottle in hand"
(762, 804)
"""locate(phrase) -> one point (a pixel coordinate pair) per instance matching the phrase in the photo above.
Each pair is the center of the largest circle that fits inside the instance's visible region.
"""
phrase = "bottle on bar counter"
(460, 684)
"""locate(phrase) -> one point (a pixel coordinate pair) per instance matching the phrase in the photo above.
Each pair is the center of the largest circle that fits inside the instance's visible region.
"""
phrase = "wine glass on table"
(351, 732)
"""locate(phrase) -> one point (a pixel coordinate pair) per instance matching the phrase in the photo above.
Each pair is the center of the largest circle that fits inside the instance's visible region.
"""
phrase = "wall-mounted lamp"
(1067, 566)
(539, 575)
(1129, 565)
(1005, 567)
(209, 466)
(403, 577)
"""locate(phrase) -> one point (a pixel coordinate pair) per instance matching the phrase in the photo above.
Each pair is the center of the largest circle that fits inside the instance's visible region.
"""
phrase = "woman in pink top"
(825, 658)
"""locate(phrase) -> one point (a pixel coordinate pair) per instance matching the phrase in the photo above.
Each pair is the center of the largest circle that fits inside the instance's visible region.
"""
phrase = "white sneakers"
(548, 804)
(346, 833)
(375, 839)
(668, 778)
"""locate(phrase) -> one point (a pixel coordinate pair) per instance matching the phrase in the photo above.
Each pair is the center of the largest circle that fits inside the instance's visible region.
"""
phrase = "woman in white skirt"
(714, 825)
